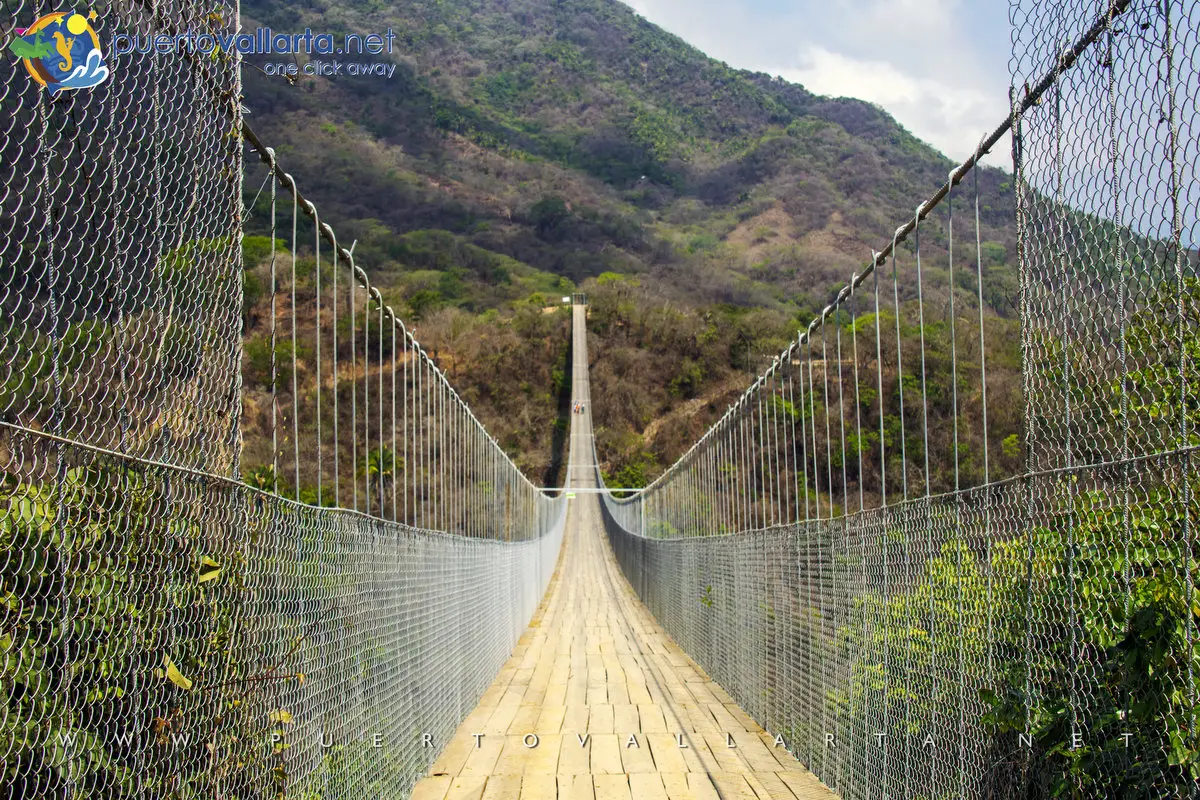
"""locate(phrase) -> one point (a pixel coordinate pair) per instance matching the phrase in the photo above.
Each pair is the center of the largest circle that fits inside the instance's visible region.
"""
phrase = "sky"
(940, 67)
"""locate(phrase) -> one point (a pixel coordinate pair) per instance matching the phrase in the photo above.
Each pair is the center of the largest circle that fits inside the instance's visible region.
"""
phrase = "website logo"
(62, 51)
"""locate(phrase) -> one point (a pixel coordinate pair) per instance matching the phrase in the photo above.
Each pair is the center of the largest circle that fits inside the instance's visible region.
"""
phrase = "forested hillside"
(524, 148)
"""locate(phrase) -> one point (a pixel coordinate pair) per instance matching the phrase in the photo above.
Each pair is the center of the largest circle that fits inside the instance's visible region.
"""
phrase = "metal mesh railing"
(945, 545)
(181, 617)
(344, 407)
(120, 207)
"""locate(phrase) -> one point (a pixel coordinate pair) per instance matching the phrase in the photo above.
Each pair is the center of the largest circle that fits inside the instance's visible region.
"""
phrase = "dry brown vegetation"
(527, 148)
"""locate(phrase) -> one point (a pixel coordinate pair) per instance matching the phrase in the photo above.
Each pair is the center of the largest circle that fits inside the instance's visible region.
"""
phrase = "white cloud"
(938, 66)
(952, 119)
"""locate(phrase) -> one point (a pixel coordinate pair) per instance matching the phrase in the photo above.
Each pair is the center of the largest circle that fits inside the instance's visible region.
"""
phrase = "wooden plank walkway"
(597, 700)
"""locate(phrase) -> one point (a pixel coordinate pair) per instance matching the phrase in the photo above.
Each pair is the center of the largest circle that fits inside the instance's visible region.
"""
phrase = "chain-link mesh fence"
(343, 406)
(965, 561)
(175, 635)
(175, 622)
(121, 219)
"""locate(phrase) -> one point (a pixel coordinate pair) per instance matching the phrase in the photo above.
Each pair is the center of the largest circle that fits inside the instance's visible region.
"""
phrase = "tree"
(548, 214)
(381, 468)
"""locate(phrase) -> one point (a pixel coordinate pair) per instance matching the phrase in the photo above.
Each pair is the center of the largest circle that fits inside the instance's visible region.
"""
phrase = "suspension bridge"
(943, 547)
(597, 700)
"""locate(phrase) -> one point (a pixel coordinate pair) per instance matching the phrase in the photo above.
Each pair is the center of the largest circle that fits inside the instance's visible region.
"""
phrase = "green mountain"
(524, 147)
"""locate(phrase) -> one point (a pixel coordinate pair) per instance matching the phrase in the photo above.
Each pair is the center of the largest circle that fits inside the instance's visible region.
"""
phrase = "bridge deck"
(607, 694)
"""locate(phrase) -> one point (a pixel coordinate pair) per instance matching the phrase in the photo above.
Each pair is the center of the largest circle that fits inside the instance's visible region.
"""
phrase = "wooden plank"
(600, 719)
(697, 754)
(432, 788)
(733, 786)
(805, 785)
(651, 719)
(756, 754)
(768, 784)
(538, 787)
(727, 721)
(698, 719)
(728, 758)
(676, 786)
(638, 691)
(526, 720)
(482, 760)
(577, 692)
(452, 758)
(635, 753)
(575, 720)
(550, 720)
(575, 787)
(701, 786)
(647, 786)
(556, 693)
(575, 758)
(780, 754)
(544, 757)
(502, 787)
(512, 757)
(595, 662)
(612, 787)
(667, 755)
(467, 787)
(505, 713)
(606, 754)
(626, 719)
